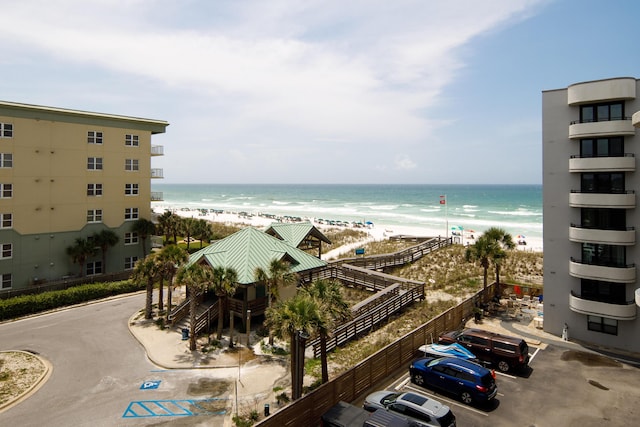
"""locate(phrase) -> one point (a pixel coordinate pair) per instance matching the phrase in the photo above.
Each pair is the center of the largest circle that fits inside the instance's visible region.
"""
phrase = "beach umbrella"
(520, 236)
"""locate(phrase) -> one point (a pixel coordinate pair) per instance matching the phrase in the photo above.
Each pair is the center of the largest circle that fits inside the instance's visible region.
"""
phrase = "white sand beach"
(376, 231)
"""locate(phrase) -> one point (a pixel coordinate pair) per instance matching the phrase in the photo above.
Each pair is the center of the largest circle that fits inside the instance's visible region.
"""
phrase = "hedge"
(23, 305)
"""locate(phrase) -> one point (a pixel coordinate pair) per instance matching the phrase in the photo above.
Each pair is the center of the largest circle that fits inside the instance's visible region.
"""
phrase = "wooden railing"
(371, 372)
(364, 323)
(206, 317)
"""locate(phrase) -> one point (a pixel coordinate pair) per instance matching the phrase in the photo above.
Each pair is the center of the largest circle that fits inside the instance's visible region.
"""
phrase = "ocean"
(472, 208)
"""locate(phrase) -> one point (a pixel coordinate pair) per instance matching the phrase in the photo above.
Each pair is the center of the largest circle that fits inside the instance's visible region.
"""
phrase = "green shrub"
(29, 304)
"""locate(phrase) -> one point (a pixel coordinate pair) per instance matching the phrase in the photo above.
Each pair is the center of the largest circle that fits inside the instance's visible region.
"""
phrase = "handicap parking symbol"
(150, 385)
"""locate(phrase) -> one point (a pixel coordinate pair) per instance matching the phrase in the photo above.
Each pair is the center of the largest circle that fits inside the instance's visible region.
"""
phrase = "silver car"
(416, 408)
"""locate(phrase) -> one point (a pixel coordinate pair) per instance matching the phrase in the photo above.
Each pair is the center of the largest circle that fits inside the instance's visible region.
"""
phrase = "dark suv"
(467, 380)
(502, 351)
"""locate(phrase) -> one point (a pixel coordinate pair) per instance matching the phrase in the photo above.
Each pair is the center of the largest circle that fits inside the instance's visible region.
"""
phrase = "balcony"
(157, 173)
(626, 163)
(635, 119)
(608, 237)
(156, 241)
(626, 311)
(601, 91)
(157, 196)
(638, 296)
(622, 127)
(157, 150)
(624, 274)
(626, 200)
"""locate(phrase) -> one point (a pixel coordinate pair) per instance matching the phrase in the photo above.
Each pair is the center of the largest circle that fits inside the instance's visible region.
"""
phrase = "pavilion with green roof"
(302, 235)
(246, 250)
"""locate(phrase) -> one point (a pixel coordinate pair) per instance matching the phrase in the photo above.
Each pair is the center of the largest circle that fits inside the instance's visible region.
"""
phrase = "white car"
(418, 409)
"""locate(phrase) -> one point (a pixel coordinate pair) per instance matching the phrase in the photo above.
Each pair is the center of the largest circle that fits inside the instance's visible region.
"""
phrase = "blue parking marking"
(171, 408)
(150, 385)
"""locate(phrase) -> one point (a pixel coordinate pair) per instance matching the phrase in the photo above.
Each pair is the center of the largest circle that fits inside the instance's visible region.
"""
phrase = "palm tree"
(188, 227)
(171, 257)
(225, 283)
(144, 228)
(295, 316)
(80, 251)
(203, 231)
(168, 223)
(481, 251)
(196, 278)
(278, 276)
(334, 309)
(146, 270)
(104, 240)
(503, 242)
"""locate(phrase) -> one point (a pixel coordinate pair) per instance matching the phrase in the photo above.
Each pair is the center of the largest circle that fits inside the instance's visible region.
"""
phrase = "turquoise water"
(516, 208)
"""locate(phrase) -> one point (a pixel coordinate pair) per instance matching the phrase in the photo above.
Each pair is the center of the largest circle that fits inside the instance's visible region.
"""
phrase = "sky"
(290, 91)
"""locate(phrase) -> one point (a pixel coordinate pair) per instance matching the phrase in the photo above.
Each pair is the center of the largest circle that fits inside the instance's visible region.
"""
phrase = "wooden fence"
(369, 373)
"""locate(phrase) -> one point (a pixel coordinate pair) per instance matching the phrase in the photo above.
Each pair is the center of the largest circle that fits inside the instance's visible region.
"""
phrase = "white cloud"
(270, 73)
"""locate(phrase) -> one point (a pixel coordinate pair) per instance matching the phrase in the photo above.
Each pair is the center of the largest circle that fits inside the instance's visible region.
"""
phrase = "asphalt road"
(101, 375)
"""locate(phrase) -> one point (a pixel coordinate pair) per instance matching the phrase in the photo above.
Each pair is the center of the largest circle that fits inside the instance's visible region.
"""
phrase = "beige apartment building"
(66, 174)
(590, 181)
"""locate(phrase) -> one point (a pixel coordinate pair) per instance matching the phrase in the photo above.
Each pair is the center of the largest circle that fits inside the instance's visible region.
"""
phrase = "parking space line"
(534, 355)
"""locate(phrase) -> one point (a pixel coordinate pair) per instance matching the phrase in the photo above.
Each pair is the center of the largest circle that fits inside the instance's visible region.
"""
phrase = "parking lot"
(565, 385)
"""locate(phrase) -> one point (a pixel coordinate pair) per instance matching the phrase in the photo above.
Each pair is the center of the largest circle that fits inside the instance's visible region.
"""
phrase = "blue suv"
(467, 380)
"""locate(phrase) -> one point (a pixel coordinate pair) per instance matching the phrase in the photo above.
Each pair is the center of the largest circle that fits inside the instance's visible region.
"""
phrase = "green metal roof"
(296, 232)
(250, 248)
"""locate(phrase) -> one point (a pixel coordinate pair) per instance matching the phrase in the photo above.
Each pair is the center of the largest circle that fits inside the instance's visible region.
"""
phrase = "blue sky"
(288, 91)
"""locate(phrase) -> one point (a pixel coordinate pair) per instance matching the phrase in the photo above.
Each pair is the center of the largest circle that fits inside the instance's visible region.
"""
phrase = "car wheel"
(465, 396)
(418, 379)
(503, 365)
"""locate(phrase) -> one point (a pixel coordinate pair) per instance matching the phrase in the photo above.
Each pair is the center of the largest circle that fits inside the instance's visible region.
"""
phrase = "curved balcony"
(157, 150)
(625, 200)
(157, 173)
(626, 163)
(625, 274)
(608, 237)
(625, 311)
(622, 127)
(638, 296)
(601, 90)
(635, 119)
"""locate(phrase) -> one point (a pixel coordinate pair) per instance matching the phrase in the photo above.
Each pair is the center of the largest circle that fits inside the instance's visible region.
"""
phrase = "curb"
(33, 388)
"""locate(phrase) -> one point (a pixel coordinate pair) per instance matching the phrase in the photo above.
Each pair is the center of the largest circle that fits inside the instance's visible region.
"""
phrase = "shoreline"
(376, 231)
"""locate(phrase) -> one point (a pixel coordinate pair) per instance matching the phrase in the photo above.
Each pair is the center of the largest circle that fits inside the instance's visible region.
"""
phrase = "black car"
(466, 380)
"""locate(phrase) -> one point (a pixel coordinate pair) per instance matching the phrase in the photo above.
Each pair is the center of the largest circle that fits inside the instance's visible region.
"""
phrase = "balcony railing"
(635, 119)
(624, 311)
(157, 150)
(625, 163)
(626, 236)
(157, 196)
(623, 200)
(621, 127)
(157, 173)
(607, 273)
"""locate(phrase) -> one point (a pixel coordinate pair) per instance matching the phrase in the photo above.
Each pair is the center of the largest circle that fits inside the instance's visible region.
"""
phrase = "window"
(131, 238)
(603, 219)
(608, 292)
(6, 191)
(131, 164)
(602, 147)
(608, 183)
(94, 268)
(131, 140)
(6, 130)
(6, 160)
(94, 163)
(94, 215)
(130, 262)
(602, 324)
(94, 137)
(130, 213)
(6, 250)
(6, 281)
(604, 255)
(6, 220)
(94, 189)
(131, 189)
(602, 112)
